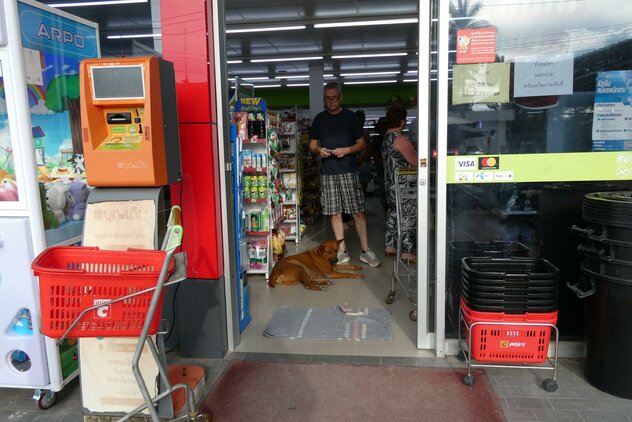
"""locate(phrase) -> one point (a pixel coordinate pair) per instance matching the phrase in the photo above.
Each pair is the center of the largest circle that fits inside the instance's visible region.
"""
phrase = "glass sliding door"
(534, 110)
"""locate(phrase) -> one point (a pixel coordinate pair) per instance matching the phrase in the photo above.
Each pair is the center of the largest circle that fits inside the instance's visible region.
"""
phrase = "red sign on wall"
(476, 45)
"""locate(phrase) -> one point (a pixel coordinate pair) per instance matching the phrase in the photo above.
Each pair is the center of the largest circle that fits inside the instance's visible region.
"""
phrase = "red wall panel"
(186, 44)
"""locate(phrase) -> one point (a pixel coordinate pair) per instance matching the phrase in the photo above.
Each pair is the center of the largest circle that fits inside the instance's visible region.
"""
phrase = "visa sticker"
(465, 164)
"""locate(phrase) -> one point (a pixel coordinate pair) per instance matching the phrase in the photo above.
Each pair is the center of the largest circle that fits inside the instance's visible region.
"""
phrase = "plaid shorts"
(341, 193)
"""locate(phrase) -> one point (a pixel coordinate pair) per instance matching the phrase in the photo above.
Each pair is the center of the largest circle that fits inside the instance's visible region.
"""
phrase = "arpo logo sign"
(103, 311)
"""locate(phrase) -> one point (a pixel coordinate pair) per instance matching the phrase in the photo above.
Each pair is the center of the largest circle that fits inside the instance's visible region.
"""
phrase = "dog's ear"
(320, 250)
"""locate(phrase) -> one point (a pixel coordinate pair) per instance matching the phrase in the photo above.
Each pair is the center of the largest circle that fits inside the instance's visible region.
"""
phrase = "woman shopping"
(399, 152)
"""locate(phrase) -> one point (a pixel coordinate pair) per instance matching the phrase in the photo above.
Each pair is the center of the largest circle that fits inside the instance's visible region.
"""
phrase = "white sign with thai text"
(540, 76)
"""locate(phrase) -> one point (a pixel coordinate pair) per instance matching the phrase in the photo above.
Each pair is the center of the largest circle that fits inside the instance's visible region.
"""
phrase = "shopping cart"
(88, 292)
(404, 270)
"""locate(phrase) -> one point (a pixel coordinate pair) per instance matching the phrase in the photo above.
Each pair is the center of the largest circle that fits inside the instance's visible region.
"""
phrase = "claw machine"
(40, 152)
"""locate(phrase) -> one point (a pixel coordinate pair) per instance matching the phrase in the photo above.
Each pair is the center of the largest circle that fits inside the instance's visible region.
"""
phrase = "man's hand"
(325, 153)
(340, 152)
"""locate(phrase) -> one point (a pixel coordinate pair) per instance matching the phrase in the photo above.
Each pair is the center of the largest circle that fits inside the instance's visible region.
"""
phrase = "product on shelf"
(257, 253)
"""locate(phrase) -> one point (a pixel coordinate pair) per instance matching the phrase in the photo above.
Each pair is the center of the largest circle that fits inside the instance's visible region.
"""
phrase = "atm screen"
(117, 82)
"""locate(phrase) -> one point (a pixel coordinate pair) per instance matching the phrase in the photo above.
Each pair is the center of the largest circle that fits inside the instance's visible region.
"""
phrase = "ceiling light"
(297, 85)
(95, 3)
(360, 56)
(286, 59)
(267, 86)
(118, 37)
(392, 81)
(411, 72)
(394, 72)
(410, 80)
(365, 23)
(274, 28)
(234, 61)
(256, 78)
(292, 76)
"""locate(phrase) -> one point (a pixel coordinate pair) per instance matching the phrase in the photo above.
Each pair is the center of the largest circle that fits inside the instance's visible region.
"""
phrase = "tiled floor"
(519, 390)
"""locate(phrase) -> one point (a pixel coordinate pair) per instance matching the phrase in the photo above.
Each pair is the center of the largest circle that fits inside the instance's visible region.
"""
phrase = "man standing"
(337, 136)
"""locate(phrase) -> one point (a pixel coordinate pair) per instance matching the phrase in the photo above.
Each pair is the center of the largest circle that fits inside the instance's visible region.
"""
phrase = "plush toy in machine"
(77, 197)
(8, 190)
(278, 244)
(50, 221)
(56, 199)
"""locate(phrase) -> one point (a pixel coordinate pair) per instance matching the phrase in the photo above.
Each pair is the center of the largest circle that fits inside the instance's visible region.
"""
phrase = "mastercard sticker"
(488, 163)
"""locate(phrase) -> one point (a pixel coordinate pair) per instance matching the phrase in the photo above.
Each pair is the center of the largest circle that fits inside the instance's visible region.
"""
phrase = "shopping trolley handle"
(173, 237)
(175, 216)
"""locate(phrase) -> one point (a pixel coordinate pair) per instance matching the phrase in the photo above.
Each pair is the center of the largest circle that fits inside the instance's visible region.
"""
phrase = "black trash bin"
(606, 284)
(608, 317)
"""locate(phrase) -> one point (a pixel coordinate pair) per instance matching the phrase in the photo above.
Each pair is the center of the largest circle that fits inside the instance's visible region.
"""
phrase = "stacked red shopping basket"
(515, 292)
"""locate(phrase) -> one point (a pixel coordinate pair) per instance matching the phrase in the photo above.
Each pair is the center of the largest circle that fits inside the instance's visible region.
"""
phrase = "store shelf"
(254, 170)
(255, 271)
(255, 186)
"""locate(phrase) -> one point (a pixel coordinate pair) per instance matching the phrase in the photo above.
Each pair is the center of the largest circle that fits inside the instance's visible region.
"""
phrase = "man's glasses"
(332, 99)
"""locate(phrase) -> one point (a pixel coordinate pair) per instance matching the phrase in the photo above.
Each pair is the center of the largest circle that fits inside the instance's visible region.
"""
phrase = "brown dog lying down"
(314, 268)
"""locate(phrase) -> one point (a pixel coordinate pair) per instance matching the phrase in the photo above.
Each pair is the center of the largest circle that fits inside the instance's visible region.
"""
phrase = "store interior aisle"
(368, 292)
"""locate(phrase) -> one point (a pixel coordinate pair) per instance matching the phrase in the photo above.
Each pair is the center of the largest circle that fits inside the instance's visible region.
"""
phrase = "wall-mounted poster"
(480, 83)
(476, 45)
(612, 116)
(53, 47)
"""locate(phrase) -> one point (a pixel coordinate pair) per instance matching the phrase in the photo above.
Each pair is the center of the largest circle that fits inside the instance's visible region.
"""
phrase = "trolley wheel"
(413, 315)
(390, 298)
(549, 385)
(468, 380)
(47, 400)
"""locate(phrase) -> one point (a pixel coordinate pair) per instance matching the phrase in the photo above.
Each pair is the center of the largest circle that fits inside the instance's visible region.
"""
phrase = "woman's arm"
(405, 147)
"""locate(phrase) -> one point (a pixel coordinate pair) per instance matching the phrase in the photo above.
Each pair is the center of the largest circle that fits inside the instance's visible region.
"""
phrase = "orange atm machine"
(129, 122)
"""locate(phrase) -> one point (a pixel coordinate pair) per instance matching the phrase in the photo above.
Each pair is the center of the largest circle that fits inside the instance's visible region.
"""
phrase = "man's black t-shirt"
(335, 131)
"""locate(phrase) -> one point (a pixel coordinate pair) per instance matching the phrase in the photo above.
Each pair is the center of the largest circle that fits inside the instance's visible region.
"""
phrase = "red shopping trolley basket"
(73, 278)
(516, 342)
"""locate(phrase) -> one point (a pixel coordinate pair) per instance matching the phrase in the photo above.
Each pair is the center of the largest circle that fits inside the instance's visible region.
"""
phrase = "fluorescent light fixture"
(269, 29)
(267, 86)
(95, 3)
(118, 37)
(329, 75)
(392, 81)
(256, 78)
(411, 72)
(409, 80)
(286, 59)
(361, 56)
(292, 76)
(366, 23)
(234, 61)
(394, 72)
(297, 85)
